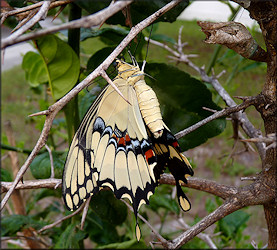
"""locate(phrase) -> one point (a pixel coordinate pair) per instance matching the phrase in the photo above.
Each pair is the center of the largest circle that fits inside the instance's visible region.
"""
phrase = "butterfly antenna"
(140, 35)
(148, 42)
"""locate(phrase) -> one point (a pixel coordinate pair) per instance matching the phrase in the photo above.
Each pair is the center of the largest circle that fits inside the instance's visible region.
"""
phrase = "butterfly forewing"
(123, 146)
(111, 148)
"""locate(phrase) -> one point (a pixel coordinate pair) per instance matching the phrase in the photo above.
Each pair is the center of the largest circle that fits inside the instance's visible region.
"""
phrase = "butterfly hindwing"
(169, 154)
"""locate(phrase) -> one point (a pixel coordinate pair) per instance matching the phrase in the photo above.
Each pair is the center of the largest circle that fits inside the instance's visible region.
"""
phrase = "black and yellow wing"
(111, 149)
(125, 147)
(169, 155)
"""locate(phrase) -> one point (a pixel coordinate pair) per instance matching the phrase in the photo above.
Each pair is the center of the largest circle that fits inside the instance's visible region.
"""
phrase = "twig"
(205, 237)
(51, 161)
(230, 155)
(248, 178)
(85, 212)
(44, 112)
(31, 7)
(56, 107)
(246, 125)
(225, 209)
(30, 16)
(62, 219)
(32, 184)
(224, 112)
(247, 144)
(109, 81)
(212, 187)
(87, 22)
(40, 15)
(160, 238)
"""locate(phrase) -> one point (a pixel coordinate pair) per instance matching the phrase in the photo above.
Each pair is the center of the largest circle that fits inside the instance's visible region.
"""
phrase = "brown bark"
(265, 12)
(236, 37)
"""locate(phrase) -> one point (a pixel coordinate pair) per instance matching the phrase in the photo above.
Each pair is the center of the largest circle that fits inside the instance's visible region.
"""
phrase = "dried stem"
(208, 186)
(28, 8)
(205, 237)
(160, 238)
(222, 113)
(93, 20)
(40, 15)
(51, 161)
(62, 219)
(85, 212)
(246, 125)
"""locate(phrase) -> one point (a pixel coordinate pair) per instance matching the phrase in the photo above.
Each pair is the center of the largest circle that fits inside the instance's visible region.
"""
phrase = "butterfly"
(123, 146)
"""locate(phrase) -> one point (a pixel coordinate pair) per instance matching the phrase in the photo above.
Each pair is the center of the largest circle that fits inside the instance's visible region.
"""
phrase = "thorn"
(45, 112)
(221, 73)
(244, 98)
(211, 110)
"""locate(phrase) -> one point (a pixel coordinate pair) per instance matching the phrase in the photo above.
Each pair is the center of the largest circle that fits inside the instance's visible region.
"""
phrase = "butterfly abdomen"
(149, 107)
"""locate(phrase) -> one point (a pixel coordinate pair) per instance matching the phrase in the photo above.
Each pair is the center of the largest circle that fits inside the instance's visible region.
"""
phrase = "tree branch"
(246, 125)
(222, 211)
(40, 15)
(212, 187)
(224, 112)
(28, 8)
(93, 20)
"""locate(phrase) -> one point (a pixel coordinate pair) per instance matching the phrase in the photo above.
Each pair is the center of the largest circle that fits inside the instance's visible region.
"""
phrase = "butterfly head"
(129, 72)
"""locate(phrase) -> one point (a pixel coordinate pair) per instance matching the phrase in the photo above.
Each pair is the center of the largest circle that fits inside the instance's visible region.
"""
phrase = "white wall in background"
(214, 11)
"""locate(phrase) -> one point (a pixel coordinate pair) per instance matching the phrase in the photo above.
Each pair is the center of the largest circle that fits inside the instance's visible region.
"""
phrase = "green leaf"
(232, 223)
(70, 238)
(163, 38)
(162, 199)
(87, 100)
(5, 175)
(130, 244)
(17, 3)
(35, 71)
(61, 62)
(41, 166)
(139, 10)
(13, 223)
(210, 205)
(110, 36)
(181, 100)
(108, 208)
(100, 231)
(98, 57)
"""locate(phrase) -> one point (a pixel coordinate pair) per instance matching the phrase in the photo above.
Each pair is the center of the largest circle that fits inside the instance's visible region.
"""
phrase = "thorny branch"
(42, 13)
(205, 237)
(208, 186)
(246, 125)
(26, 10)
(93, 20)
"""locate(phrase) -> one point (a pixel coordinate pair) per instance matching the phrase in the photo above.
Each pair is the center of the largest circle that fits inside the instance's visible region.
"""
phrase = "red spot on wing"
(148, 154)
(175, 144)
(127, 138)
(121, 142)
